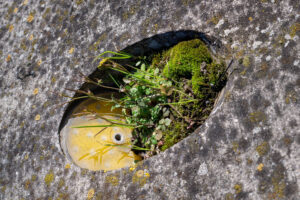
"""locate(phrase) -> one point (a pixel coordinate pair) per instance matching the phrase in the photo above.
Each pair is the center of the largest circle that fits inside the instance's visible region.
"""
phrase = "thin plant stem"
(178, 103)
(114, 80)
(107, 125)
(120, 56)
(132, 146)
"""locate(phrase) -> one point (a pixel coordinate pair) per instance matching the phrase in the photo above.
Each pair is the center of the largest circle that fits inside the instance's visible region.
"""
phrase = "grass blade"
(108, 125)
(114, 80)
(118, 56)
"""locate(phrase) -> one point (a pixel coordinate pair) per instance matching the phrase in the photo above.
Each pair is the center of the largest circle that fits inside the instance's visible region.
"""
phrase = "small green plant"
(161, 106)
(145, 102)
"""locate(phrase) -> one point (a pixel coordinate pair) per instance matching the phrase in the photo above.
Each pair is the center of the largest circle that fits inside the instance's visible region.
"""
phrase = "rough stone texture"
(247, 149)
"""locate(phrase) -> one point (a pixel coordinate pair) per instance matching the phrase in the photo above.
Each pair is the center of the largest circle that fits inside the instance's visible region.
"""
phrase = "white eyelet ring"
(118, 138)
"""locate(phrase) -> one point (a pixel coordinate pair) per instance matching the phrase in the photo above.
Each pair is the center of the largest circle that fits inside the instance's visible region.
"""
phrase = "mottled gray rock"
(247, 149)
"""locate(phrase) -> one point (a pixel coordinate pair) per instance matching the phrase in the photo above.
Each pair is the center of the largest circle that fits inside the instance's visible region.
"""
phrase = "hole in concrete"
(96, 137)
(118, 137)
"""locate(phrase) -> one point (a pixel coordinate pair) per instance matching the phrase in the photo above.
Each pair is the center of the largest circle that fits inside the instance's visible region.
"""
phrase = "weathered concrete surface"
(247, 149)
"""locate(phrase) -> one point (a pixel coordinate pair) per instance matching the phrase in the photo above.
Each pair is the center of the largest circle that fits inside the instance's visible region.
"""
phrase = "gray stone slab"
(247, 149)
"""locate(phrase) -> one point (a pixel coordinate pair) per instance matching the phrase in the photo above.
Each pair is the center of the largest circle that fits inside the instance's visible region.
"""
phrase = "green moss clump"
(196, 71)
(201, 81)
(173, 135)
(192, 60)
(160, 59)
(185, 57)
